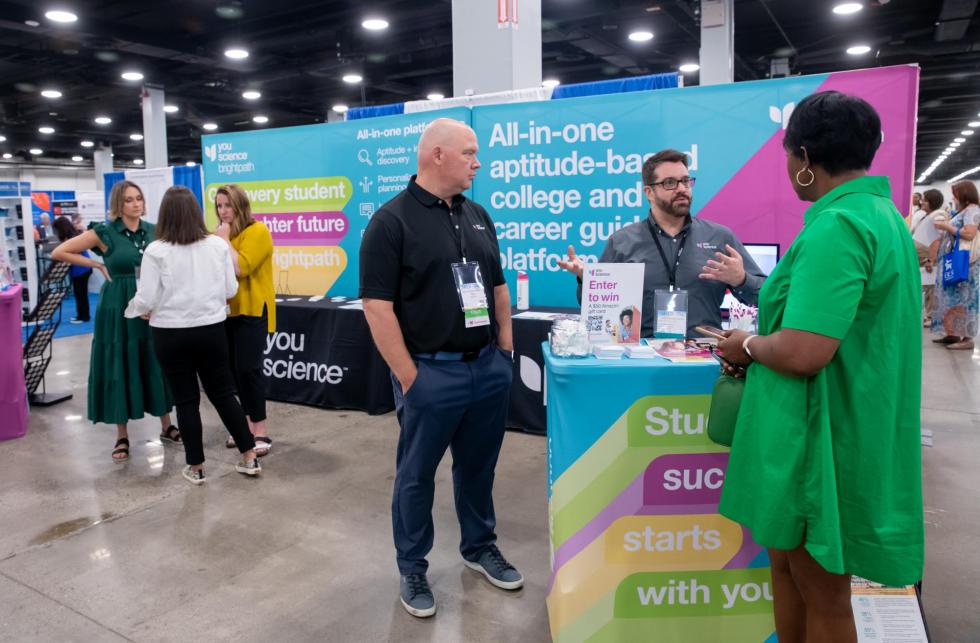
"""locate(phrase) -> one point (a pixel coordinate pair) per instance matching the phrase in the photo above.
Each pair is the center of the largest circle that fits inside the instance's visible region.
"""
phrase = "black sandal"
(172, 434)
(121, 446)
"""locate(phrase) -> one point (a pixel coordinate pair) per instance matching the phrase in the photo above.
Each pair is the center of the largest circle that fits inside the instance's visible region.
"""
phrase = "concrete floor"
(95, 551)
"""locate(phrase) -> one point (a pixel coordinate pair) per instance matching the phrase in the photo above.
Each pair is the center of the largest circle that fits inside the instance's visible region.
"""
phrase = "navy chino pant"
(461, 406)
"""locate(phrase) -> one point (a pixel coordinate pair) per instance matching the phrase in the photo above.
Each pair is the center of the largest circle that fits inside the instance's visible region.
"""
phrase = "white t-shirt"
(185, 286)
(924, 231)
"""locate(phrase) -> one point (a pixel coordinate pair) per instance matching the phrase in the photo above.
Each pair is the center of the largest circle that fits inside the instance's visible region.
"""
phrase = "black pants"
(246, 343)
(79, 286)
(186, 353)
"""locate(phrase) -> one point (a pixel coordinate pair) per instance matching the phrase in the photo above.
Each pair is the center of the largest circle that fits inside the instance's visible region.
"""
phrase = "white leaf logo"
(774, 114)
(530, 374)
(787, 112)
(781, 116)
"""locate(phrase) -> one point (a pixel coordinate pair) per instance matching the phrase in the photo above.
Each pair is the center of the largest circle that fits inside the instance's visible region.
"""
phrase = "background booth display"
(154, 182)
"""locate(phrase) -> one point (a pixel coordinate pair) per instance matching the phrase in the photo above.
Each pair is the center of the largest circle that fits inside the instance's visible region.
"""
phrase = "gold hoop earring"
(808, 183)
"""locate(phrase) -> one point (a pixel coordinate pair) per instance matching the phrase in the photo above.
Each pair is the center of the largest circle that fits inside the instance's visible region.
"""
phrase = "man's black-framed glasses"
(671, 184)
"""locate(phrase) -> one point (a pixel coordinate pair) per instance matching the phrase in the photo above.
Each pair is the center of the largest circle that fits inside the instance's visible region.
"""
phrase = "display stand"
(44, 319)
(13, 394)
(18, 231)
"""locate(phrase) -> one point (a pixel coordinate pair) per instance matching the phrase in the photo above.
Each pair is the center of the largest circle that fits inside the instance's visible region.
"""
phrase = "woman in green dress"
(124, 381)
(825, 467)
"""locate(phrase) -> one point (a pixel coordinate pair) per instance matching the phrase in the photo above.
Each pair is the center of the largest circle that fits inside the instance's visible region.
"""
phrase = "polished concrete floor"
(95, 551)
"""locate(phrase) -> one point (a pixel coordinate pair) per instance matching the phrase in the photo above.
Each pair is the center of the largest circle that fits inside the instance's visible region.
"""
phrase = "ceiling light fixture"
(2, 138)
(236, 53)
(60, 15)
(136, 137)
(959, 139)
(954, 144)
(102, 120)
(847, 8)
(32, 23)
(963, 174)
(190, 163)
(171, 109)
(260, 119)
(973, 124)
(435, 96)
(641, 36)
(858, 50)
(131, 76)
(77, 158)
(46, 129)
(87, 144)
(8, 155)
(550, 82)
(967, 132)
(36, 151)
(688, 68)
(138, 161)
(51, 93)
(375, 24)
(251, 94)
(210, 126)
(352, 78)
(340, 108)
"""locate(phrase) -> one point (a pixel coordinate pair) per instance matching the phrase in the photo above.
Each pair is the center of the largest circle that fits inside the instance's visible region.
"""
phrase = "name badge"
(472, 294)
(671, 317)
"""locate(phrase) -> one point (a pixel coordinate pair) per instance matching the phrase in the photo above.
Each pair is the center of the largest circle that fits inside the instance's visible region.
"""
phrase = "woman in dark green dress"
(125, 381)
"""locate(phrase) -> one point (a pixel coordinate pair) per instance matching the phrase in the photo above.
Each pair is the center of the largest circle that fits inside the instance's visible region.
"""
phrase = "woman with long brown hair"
(124, 380)
(957, 305)
(186, 311)
(253, 308)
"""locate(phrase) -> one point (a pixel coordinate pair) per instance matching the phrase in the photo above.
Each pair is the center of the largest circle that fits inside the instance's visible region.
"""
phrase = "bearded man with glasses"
(680, 252)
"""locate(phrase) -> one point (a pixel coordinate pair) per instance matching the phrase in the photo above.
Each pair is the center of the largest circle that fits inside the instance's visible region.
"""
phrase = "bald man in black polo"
(439, 311)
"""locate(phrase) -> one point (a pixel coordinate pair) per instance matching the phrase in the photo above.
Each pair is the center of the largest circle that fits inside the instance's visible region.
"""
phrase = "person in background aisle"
(916, 208)
(253, 308)
(79, 274)
(825, 467)
(439, 311)
(124, 379)
(926, 238)
(957, 306)
(78, 222)
(186, 311)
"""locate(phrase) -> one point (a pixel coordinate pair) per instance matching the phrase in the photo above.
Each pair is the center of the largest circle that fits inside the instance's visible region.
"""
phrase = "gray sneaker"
(249, 467)
(495, 567)
(416, 596)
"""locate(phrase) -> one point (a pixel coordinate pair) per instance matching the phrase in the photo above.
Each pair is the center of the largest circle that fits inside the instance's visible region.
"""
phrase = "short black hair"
(627, 312)
(663, 156)
(838, 131)
(934, 198)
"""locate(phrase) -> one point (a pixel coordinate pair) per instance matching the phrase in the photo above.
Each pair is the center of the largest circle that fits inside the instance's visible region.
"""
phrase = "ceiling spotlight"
(36, 151)
(32, 23)
(138, 161)
(46, 129)
(60, 15)
(339, 108)
(848, 8)
(352, 78)
(959, 139)
(50, 93)
(375, 24)
(210, 126)
(973, 124)
(171, 109)
(954, 144)
(236, 53)
(858, 50)
(190, 163)
(77, 158)
(251, 95)
(550, 82)
(8, 155)
(87, 144)
(641, 36)
(136, 137)
(132, 75)
(102, 120)
(435, 96)
(2, 138)
(688, 68)
(967, 132)
(259, 118)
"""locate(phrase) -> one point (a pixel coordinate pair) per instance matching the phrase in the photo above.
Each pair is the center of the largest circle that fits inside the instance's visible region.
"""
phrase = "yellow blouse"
(255, 289)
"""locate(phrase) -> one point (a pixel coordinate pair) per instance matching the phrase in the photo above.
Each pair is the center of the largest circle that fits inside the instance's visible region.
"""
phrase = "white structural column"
(496, 45)
(154, 128)
(717, 42)
(102, 159)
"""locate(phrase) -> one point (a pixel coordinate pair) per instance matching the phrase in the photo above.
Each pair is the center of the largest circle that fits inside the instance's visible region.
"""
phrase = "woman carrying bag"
(957, 304)
(825, 466)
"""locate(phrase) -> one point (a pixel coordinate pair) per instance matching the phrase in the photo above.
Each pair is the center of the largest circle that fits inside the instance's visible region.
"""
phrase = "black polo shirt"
(406, 256)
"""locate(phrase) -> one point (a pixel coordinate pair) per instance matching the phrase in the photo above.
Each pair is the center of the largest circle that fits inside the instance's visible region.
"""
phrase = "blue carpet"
(67, 329)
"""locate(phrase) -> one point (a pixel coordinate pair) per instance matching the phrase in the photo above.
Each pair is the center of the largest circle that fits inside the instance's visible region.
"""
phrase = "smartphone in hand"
(710, 331)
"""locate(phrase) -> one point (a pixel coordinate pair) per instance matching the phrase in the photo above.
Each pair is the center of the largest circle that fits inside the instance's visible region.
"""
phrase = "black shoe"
(416, 596)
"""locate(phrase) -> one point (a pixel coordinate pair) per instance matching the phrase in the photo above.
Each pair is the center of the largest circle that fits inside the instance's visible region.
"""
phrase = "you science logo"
(229, 161)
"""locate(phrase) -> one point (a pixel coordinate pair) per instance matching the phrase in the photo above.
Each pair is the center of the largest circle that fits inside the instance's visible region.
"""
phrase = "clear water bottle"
(523, 291)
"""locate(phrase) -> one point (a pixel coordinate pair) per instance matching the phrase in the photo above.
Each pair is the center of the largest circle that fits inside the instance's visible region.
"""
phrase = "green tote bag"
(723, 414)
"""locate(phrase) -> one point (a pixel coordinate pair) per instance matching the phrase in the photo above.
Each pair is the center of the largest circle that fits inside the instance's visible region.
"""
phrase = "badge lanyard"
(468, 280)
(670, 305)
(140, 245)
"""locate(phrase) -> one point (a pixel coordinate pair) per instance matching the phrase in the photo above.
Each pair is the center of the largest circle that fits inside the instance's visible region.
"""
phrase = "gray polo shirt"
(634, 244)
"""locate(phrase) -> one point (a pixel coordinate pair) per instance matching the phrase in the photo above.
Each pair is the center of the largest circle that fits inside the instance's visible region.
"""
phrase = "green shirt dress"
(124, 378)
(834, 460)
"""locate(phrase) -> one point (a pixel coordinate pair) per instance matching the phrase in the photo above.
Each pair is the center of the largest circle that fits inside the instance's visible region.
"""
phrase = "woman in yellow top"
(253, 309)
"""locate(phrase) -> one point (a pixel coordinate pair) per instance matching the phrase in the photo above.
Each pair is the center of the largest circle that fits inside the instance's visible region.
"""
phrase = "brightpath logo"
(229, 161)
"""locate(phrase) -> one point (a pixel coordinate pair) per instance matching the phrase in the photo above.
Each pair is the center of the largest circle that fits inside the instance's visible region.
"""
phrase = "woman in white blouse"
(186, 307)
